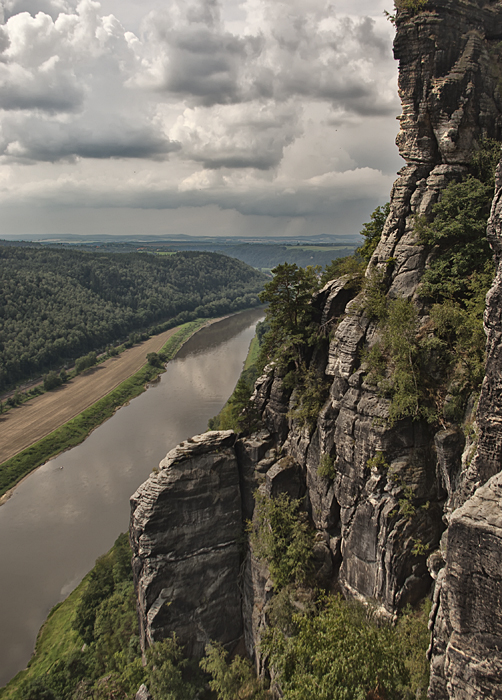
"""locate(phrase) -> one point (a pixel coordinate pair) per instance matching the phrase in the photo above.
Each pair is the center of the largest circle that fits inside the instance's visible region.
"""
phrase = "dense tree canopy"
(56, 305)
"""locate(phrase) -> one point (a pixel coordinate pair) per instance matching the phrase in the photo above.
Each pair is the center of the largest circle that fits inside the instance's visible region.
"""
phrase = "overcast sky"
(214, 117)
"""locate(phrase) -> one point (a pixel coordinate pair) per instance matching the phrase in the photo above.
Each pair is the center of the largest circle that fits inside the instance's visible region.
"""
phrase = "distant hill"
(261, 253)
(57, 304)
(266, 256)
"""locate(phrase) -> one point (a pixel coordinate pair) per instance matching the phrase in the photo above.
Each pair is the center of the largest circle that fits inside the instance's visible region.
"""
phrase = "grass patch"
(55, 639)
(76, 430)
(253, 352)
(238, 414)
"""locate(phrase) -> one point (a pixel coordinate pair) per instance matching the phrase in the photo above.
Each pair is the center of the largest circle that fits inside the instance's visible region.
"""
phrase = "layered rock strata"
(376, 517)
(466, 621)
(186, 525)
(448, 84)
(466, 647)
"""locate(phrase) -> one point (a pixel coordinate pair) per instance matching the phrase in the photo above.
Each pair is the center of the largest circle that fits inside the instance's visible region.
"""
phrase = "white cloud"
(265, 107)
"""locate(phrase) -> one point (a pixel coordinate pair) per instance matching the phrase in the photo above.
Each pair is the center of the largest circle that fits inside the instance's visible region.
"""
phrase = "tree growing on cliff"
(290, 312)
(234, 681)
(280, 535)
(340, 650)
(171, 676)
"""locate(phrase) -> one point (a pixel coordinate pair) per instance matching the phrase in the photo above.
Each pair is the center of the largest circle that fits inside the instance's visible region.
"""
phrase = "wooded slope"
(56, 305)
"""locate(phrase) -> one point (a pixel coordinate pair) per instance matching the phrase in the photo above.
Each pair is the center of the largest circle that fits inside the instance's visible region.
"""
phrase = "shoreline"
(155, 372)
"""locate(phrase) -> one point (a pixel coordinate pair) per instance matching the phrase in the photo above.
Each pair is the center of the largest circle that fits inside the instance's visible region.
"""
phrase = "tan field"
(30, 422)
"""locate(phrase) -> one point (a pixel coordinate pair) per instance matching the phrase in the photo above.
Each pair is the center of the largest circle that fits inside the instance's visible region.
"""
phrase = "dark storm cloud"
(39, 95)
(207, 65)
(293, 54)
(33, 140)
(259, 161)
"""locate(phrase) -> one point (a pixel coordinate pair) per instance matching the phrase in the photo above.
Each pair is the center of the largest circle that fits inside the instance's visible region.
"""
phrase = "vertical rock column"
(185, 529)
(466, 648)
(466, 659)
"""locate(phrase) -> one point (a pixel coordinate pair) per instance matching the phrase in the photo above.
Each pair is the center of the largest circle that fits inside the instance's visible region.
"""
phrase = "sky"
(195, 117)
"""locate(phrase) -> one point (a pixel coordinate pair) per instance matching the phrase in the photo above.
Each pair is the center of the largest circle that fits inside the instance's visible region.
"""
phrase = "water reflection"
(71, 509)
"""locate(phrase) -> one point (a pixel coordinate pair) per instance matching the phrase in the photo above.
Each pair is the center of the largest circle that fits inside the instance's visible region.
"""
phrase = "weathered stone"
(284, 477)
(344, 347)
(467, 642)
(254, 454)
(275, 413)
(333, 298)
(143, 693)
(449, 447)
(376, 519)
(257, 593)
(186, 522)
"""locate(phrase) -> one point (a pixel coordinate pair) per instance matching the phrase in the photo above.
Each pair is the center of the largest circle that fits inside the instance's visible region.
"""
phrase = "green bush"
(52, 380)
(234, 681)
(312, 390)
(377, 462)
(280, 535)
(397, 364)
(154, 359)
(85, 362)
(170, 675)
(372, 231)
(109, 571)
(375, 299)
(342, 652)
(290, 315)
(412, 6)
(326, 468)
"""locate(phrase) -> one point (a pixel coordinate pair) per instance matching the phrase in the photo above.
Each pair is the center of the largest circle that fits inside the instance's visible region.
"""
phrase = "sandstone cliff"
(466, 619)
(192, 577)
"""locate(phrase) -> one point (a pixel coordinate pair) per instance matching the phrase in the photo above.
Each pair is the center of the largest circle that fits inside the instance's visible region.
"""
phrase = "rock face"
(467, 634)
(466, 620)
(450, 99)
(394, 487)
(186, 523)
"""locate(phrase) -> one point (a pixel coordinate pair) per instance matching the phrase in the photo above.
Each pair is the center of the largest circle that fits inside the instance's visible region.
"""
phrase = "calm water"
(71, 509)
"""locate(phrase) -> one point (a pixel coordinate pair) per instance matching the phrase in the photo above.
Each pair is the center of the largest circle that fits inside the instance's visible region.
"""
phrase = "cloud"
(195, 57)
(238, 136)
(261, 107)
(29, 139)
(284, 51)
(63, 89)
(33, 74)
(239, 191)
(9, 8)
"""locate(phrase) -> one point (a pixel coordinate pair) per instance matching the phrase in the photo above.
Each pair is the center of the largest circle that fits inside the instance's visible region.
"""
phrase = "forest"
(58, 304)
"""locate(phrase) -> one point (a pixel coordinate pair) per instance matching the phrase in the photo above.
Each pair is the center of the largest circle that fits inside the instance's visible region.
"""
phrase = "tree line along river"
(70, 511)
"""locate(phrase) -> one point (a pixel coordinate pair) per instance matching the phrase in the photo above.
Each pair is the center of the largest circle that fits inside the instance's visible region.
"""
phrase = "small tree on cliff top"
(290, 312)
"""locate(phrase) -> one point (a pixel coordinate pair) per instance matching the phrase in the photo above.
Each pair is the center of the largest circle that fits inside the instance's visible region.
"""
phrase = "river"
(70, 510)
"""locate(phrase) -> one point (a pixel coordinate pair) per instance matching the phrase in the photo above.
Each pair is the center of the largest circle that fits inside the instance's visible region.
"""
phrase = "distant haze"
(195, 117)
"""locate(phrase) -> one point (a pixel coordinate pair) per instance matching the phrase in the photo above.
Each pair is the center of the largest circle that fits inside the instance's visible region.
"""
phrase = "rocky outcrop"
(186, 526)
(392, 487)
(374, 518)
(448, 84)
(487, 460)
(467, 631)
(466, 620)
